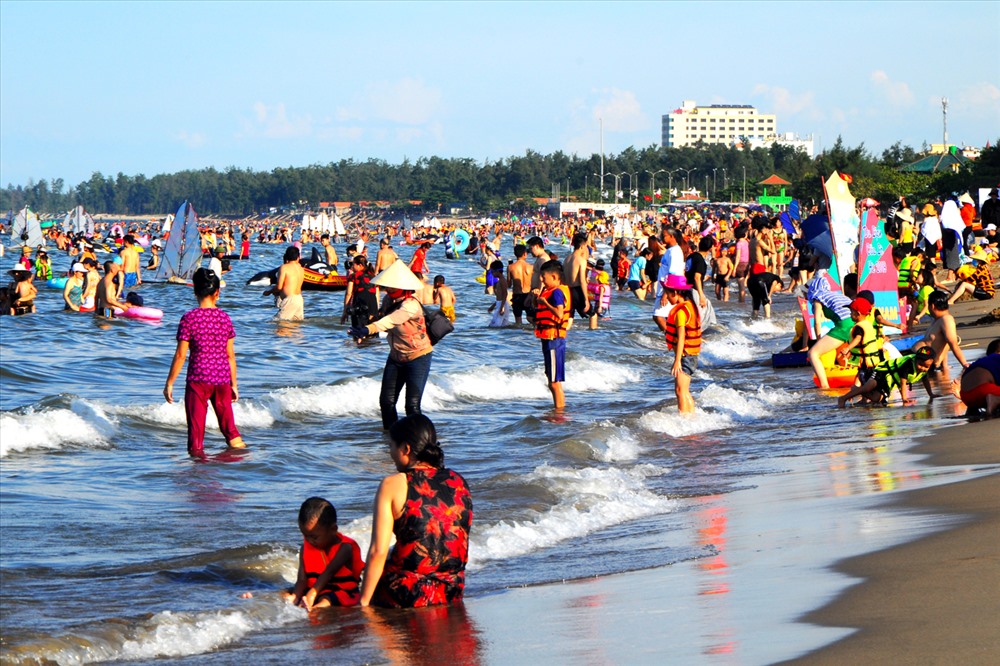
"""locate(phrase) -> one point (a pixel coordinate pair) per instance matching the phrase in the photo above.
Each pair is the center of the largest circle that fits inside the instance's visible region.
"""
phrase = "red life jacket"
(345, 586)
(692, 329)
(547, 327)
(623, 267)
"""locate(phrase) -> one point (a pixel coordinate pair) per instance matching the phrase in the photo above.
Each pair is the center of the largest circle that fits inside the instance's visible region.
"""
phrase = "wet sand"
(935, 600)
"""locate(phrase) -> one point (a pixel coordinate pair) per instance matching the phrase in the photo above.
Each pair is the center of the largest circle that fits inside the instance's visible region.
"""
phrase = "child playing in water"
(897, 372)
(208, 332)
(330, 563)
(683, 334)
(551, 322)
(501, 307)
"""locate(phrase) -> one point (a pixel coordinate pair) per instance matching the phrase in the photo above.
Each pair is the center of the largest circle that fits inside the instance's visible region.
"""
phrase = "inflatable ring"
(56, 282)
(139, 312)
(838, 377)
(482, 278)
(461, 240)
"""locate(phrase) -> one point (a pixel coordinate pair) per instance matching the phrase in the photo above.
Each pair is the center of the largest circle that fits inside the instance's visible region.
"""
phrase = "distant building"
(952, 161)
(726, 124)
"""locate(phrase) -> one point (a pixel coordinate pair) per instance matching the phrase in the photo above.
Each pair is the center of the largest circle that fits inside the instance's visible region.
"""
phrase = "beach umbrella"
(816, 233)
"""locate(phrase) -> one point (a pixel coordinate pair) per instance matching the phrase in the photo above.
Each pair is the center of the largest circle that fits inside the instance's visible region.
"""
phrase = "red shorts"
(976, 397)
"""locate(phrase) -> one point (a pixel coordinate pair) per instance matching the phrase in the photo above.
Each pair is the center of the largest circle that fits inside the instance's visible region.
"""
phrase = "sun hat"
(906, 215)
(398, 276)
(966, 198)
(676, 282)
(79, 268)
(156, 243)
(14, 272)
(964, 271)
(861, 306)
(929, 210)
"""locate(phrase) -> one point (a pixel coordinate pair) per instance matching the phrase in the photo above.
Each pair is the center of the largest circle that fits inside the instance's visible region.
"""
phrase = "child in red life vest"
(330, 563)
(683, 333)
(551, 322)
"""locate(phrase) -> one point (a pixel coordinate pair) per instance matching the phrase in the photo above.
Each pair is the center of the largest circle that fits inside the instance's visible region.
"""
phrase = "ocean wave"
(732, 347)
(83, 423)
(718, 408)
(590, 500)
(248, 414)
(165, 634)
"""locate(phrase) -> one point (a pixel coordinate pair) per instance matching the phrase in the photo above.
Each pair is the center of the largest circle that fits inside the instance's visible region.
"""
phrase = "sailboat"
(78, 221)
(26, 229)
(182, 255)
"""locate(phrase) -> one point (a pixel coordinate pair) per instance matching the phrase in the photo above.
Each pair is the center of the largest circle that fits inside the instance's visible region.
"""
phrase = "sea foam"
(82, 424)
(591, 499)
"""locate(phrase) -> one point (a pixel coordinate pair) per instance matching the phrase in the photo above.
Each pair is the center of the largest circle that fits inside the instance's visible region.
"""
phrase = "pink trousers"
(196, 399)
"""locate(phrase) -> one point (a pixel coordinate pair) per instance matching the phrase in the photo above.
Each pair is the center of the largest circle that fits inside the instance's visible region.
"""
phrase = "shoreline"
(935, 599)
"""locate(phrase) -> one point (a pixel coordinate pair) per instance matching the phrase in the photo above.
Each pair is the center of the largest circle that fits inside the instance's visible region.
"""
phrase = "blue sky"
(156, 87)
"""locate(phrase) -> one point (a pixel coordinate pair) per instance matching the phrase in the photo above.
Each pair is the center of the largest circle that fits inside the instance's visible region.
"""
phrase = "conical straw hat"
(398, 276)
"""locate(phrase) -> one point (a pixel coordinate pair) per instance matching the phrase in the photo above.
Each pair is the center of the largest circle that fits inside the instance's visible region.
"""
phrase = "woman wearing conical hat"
(409, 362)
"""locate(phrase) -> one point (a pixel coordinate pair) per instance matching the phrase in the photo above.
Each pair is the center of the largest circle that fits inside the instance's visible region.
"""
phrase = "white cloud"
(619, 110)
(981, 100)
(407, 102)
(896, 93)
(273, 122)
(783, 102)
(190, 139)
(351, 133)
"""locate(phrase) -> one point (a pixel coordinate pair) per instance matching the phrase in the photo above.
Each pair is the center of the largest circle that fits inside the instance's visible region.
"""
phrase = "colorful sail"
(878, 272)
(78, 221)
(26, 229)
(182, 255)
(844, 225)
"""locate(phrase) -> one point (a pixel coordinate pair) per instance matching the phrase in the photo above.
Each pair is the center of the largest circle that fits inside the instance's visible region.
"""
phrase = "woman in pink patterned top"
(208, 332)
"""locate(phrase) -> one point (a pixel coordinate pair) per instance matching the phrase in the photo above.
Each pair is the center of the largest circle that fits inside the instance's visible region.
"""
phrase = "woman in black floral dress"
(429, 509)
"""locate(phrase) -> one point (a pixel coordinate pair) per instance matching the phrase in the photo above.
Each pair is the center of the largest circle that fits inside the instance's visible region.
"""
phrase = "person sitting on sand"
(898, 372)
(428, 508)
(979, 387)
(977, 282)
(330, 563)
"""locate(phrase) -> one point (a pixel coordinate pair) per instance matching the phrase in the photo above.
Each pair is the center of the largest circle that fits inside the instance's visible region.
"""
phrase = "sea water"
(116, 546)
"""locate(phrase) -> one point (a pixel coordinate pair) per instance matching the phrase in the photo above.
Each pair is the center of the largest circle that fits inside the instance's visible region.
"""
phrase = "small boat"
(319, 276)
(182, 255)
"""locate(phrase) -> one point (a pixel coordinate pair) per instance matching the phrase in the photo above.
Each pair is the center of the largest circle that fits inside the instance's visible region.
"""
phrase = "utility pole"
(944, 114)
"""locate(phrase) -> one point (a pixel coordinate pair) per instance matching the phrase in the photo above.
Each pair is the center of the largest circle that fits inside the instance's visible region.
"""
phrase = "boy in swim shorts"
(551, 322)
(330, 563)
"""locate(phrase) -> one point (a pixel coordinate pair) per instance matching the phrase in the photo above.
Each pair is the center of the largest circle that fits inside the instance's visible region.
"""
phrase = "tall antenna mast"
(944, 114)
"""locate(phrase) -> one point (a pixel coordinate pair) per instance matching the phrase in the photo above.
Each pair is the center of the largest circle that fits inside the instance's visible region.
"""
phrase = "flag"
(619, 194)
(634, 193)
(657, 193)
(646, 197)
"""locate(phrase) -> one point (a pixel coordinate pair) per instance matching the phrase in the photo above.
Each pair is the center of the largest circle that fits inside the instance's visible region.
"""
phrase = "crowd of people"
(681, 261)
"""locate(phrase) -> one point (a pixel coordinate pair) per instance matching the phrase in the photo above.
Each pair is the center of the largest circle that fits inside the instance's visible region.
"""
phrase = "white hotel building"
(725, 124)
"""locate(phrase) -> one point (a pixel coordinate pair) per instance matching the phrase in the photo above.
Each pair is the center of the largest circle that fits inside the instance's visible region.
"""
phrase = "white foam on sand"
(590, 500)
(83, 424)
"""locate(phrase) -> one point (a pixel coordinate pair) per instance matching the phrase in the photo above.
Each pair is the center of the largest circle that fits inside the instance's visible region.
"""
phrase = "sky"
(159, 87)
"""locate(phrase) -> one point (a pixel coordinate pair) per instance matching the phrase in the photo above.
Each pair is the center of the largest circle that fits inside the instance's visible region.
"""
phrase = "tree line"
(721, 172)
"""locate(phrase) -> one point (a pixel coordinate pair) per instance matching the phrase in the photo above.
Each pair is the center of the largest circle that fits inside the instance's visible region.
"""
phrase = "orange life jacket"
(692, 329)
(344, 587)
(547, 327)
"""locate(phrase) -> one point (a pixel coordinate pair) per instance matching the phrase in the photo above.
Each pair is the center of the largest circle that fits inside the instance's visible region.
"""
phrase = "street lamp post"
(706, 186)
(687, 174)
(626, 173)
(715, 182)
(725, 183)
(652, 185)
(744, 184)
(601, 188)
(670, 183)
